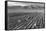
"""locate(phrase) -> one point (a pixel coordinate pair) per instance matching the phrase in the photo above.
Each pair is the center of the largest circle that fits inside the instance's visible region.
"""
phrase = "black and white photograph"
(24, 15)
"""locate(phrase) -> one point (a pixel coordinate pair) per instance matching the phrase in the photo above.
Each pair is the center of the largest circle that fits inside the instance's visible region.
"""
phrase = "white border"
(2, 15)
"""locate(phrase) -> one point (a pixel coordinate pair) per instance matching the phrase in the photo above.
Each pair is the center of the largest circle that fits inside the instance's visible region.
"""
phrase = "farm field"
(26, 21)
